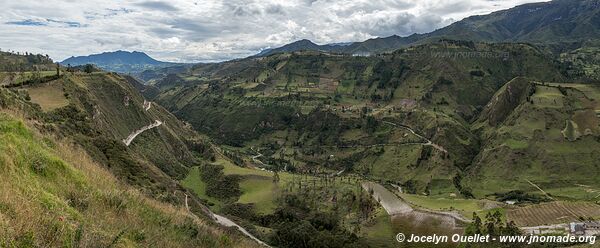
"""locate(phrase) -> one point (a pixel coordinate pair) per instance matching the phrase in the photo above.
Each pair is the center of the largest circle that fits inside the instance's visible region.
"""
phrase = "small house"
(577, 228)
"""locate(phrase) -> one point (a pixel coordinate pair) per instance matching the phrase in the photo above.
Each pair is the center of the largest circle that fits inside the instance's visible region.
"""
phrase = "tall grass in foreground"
(52, 194)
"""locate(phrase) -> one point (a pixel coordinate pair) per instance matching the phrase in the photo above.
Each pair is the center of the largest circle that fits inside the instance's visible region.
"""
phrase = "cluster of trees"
(464, 191)
(493, 225)
(297, 225)
(219, 185)
(520, 196)
(22, 61)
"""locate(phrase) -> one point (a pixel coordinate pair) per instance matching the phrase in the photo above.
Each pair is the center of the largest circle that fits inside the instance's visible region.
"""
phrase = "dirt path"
(390, 202)
(228, 223)
(224, 221)
(147, 105)
(255, 157)
(428, 143)
(132, 136)
(545, 229)
(256, 160)
(394, 205)
(540, 189)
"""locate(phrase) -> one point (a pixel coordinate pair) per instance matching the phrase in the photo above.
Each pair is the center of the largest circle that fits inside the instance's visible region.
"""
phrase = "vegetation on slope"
(309, 110)
(54, 195)
(544, 133)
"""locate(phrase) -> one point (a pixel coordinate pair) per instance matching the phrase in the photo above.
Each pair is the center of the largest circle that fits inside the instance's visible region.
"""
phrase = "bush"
(218, 184)
(477, 73)
(520, 196)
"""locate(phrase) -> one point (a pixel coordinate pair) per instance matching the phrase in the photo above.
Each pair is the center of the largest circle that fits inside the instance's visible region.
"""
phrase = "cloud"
(216, 30)
(46, 22)
(157, 5)
(27, 22)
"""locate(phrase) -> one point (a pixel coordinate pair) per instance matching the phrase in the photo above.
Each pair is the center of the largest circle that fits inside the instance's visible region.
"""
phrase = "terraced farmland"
(553, 213)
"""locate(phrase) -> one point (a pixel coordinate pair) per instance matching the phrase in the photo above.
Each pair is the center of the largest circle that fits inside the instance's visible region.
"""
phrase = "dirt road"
(390, 202)
(132, 136)
(428, 143)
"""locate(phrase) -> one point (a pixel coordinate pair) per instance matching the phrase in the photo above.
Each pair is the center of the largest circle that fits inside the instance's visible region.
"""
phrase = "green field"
(379, 230)
(194, 182)
(256, 185)
(261, 192)
(464, 206)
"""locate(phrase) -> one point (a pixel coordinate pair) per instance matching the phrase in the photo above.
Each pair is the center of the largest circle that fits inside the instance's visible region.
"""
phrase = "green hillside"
(546, 133)
(459, 126)
(309, 110)
(101, 109)
(78, 123)
(490, 125)
(54, 194)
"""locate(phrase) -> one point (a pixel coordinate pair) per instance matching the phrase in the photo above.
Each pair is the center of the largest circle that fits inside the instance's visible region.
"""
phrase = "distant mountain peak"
(119, 61)
(303, 41)
(558, 21)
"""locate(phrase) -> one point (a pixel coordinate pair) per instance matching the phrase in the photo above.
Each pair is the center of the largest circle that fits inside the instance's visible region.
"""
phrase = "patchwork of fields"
(553, 213)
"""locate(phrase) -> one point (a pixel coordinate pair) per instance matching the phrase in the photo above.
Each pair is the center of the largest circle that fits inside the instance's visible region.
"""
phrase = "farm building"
(577, 228)
(585, 228)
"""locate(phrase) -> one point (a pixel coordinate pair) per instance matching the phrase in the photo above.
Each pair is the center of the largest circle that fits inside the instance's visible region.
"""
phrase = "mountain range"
(559, 25)
(560, 22)
(119, 61)
(486, 126)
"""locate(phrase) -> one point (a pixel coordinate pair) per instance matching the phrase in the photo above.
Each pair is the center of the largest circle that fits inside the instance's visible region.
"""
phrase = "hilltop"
(65, 140)
(119, 61)
(74, 199)
(339, 112)
(490, 125)
(559, 23)
(453, 126)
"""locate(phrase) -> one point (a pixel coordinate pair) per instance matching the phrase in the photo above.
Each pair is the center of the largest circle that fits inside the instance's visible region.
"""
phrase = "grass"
(575, 193)
(19, 77)
(261, 192)
(516, 144)
(465, 206)
(548, 97)
(53, 194)
(49, 96)
(257, 186)
(231, 169)
(194, 182)
(380, 232)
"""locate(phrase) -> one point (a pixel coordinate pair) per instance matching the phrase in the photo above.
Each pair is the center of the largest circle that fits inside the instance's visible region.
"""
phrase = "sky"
(217, 30)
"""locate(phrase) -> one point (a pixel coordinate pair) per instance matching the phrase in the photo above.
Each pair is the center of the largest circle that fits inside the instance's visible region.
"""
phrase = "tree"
(88, 68)
(475, 226)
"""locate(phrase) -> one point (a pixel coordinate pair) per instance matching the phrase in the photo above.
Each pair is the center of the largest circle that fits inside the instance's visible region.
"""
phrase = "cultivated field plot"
(49, 96)
(553, 213)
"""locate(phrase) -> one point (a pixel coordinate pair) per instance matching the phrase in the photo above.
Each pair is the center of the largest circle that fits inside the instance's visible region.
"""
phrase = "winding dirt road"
(147, 105)
(127, 141)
